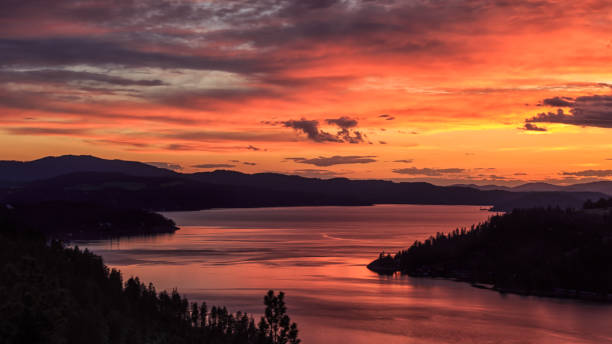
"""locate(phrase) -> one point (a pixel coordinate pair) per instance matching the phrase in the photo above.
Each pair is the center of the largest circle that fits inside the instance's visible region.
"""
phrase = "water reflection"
(317, 255)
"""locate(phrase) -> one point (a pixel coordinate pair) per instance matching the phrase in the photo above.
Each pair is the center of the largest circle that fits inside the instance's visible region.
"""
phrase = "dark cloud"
(558, 101)
(532, 127)
(205, 166)
(589, 173)
(253, 148)
(520, 174)
(588, 111)
(428, 171)
(249, 163)
(336, 160)
(118, 142)
(382, 142)
(46, 131)
(407, 161)
(50, 101)
(228, 136)
(492, 177)
(97, 52)
(312, 131)
(351, 137)
(343, 122)
(166, 165)
(63, 76)
(181, 147)
(387, 117)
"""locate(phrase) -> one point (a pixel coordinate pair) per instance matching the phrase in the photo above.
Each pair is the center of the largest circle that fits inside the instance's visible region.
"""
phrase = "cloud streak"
(336, 160)
(432, 172)
(589, 173)
(208, 166)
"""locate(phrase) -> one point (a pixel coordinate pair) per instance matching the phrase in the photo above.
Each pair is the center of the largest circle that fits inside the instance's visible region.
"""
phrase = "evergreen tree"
(275, 323)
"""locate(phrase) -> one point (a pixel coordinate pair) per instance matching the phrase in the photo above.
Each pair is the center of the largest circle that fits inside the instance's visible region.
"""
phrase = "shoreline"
(556, 293)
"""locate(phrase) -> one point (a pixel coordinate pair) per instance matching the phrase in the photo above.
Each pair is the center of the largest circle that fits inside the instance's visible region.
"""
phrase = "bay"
(317, 256)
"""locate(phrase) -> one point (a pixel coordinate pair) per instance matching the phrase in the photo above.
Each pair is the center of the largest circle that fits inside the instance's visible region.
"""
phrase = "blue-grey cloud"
(345, 134)
(589, 173)
(166, 165)
(587, 111)
(336, 160)
(532, 127)
(207, 166)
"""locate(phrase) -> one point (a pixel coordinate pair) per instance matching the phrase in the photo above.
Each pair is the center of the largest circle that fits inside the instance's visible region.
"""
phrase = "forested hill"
(54, 166)
(231, 189)
(77, 220)
(53, 294)
(543, 251)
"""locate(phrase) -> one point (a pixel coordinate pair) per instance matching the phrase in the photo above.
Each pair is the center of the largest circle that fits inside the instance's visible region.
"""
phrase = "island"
(538, 251)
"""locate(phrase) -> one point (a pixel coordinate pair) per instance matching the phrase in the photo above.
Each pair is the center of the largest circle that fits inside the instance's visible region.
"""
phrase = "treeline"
(602, 203)
(50, 293)
(533, 251)
(82, 220)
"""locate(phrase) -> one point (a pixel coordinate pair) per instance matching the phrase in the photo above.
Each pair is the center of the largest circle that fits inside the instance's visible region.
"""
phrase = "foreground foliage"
(50, 293)
(535, 251)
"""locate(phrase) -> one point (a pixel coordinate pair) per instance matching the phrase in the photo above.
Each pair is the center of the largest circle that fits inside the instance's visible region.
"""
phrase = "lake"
(318, 257)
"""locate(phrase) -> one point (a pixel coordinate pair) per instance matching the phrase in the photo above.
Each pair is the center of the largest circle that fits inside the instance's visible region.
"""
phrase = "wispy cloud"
(207, 166)
(336, 160)
(166, 165)
(589, 173)
(428, 171)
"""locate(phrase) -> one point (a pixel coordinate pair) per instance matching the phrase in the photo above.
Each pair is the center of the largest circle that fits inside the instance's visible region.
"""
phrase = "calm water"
(317, 255)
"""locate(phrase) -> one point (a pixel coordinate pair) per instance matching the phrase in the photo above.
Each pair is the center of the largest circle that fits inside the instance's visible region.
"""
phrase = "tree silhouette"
(276, 324)
(61, 295)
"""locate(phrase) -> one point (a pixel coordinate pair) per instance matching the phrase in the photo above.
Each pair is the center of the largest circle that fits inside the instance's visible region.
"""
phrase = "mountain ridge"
(134, 184)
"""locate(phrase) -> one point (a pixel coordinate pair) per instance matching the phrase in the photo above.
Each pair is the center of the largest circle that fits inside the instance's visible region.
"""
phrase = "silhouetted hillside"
(382, 191)
(49, 167)
(162, 193)
(233, 189)
(533, 251)
(604, 187)
(53, 294)
(143, 186)
(72, 220)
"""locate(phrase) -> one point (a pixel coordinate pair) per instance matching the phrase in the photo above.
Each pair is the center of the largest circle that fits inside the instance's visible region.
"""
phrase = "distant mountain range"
(604, 187)
(51, 166)
(134, 184)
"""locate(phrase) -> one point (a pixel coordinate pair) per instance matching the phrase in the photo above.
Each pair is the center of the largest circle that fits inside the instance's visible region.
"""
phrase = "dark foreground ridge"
(540, 251)
(50, 293)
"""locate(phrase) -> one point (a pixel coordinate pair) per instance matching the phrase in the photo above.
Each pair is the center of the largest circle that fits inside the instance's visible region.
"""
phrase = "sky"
(485, 92)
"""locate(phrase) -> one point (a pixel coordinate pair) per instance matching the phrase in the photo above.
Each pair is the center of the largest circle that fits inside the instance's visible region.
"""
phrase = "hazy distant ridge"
(600, 186)
(51, 166)
(135, 184)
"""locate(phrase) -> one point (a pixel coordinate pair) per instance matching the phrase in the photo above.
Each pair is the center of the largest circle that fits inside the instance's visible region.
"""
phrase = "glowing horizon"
(445, 92)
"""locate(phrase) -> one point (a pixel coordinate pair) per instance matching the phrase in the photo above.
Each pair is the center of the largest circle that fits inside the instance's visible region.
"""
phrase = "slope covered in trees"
(50, 293)
(79, 220)
(543, 251)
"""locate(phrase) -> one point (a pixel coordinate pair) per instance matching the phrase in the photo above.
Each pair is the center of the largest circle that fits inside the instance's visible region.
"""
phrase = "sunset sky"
(443, 91)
